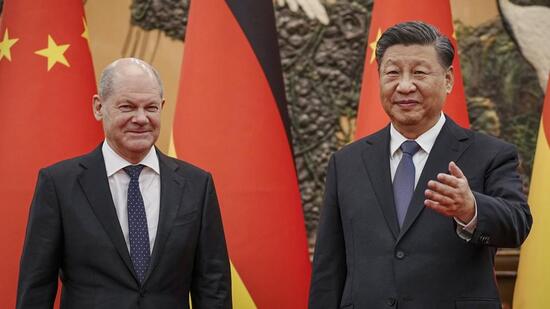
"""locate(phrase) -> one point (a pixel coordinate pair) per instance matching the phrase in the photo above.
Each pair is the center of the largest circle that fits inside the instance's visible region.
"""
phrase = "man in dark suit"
(413, 214)
(125, 226)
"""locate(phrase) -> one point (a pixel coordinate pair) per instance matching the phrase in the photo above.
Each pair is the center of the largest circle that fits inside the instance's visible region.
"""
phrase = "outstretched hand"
(450, 195)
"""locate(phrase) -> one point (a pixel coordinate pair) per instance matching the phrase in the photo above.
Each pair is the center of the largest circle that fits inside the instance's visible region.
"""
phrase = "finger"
(449, 180)
(437, 207)
(441, 188)
(455, 170)
(281, 3)
(439, 198)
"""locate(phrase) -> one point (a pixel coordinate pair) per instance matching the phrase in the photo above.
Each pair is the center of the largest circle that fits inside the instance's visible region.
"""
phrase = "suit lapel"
(449, 145)
(171, 191)
(376, 157)
(95, 185)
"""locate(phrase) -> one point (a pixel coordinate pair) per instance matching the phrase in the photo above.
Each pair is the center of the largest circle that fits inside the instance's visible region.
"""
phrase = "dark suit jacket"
(364, 260)
(73, 232)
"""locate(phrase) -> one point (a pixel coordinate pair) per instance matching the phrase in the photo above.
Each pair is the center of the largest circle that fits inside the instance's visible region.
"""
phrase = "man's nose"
(140, 116)
(406, 84)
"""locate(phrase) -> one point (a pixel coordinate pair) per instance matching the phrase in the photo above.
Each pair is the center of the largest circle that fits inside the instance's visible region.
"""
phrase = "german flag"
(533, 282)
(370, 116)
(231, 119)
(46, 87)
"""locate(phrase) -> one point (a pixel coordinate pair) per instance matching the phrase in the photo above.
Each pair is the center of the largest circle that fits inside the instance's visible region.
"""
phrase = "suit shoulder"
(351, 148)
(484, 147)
(358, 146)
(480, 139)
(485, 138)
(65, 167)
(490, 143)
(187, 168)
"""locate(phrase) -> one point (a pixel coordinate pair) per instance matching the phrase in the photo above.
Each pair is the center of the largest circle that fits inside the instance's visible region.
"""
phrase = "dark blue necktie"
(138, 233)
(403, 180)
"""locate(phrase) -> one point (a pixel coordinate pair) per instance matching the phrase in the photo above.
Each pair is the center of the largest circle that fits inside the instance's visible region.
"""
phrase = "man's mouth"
(406, 103)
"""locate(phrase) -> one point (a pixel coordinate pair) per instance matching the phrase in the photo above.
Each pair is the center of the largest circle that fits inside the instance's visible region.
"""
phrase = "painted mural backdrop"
(322, 61)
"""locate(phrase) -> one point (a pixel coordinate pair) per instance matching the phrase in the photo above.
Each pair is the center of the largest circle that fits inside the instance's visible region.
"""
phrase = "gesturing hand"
(450, 195)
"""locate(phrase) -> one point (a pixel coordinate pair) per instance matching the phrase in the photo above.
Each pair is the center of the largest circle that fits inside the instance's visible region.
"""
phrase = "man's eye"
(125, 108)
(419, 72)
(152, 109)
(393, 72)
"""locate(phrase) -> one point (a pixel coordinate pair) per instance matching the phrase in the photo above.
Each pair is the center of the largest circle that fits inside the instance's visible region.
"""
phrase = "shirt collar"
(426, 140)
(114, 162)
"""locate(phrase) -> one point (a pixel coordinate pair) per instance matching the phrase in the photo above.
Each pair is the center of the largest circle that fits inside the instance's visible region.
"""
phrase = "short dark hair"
(416, 32)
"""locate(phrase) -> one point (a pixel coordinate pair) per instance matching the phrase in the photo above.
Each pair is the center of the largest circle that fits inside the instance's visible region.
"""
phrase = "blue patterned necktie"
(403, 180)
(138, 233)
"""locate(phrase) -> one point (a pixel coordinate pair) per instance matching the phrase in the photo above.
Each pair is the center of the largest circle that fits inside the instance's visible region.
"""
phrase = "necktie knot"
(134, 170)
(410, 147)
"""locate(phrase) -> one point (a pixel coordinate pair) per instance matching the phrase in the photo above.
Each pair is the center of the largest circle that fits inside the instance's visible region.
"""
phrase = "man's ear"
(162, 104)
(97, 106)
(449, 79)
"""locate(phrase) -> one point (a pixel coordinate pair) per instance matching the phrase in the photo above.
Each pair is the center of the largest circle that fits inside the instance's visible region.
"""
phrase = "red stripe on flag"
(46, 116)
(227, 121)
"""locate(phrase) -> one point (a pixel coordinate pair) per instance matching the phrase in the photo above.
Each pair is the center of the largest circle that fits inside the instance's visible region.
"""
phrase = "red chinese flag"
(46, 87)
(231, 119)
(370, 115)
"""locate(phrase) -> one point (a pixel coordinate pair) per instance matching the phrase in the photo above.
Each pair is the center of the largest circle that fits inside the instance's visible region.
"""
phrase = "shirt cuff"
(466, 231)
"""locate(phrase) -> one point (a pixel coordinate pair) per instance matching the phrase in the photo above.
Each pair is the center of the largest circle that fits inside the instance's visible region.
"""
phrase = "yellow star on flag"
(85, 33)
(5, 46)
(372, 45)
(54, 53)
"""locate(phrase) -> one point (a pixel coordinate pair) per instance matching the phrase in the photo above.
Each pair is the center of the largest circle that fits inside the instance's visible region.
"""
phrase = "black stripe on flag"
(257, 20)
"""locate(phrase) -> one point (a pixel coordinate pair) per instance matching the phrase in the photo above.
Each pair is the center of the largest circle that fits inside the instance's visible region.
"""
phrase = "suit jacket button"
(400, 255)
(484, 239)
(390, 301)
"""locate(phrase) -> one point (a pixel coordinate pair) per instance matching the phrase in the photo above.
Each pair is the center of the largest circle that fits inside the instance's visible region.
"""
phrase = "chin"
(406, 119)
(139, 146)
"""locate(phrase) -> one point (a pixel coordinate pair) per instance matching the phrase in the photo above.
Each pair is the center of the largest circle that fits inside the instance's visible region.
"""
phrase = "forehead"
(410, 54)
(135, 83)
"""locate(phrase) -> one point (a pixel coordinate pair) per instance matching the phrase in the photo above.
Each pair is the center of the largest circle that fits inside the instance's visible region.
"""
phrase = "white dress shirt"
(149, 185)
(426, 141)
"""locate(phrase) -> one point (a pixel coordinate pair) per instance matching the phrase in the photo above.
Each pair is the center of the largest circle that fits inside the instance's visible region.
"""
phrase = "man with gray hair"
(125, 226)
(413, 213)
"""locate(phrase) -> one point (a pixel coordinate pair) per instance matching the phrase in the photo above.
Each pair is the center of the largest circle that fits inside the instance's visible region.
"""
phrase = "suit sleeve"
(329, 263)
(41, 256)
(504, 219)
(211, 282)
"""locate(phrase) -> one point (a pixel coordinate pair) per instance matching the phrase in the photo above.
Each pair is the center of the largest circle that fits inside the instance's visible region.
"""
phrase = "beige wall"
(109, 29)
(474, 12)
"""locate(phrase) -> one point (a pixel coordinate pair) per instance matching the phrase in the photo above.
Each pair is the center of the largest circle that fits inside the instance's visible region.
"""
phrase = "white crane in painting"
(314, 9)
(530, 26)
